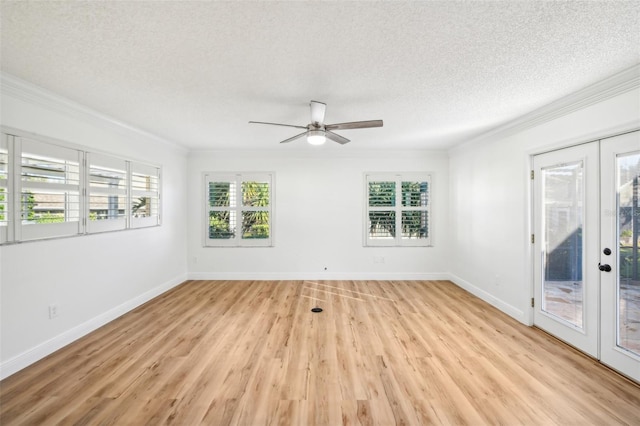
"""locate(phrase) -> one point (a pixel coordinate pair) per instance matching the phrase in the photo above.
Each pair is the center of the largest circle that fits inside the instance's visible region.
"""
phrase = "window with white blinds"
(145, 195)
(397, 209)
(4, 187)
(107, 201)
(50, 190)
(238, 209)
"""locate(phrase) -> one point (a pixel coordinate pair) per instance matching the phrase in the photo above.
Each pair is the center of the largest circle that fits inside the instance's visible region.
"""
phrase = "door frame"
(530, 195)
(625, 361)
(585, 337)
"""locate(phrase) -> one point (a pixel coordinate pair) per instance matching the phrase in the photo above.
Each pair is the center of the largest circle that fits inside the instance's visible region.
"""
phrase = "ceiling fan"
(317, 132)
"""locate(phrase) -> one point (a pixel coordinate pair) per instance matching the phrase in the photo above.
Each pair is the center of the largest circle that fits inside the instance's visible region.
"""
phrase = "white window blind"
(145, 195)
(4, 188)
(49, 190)
(397, 209)
(107, 201)
(238, 209)
(50, 202)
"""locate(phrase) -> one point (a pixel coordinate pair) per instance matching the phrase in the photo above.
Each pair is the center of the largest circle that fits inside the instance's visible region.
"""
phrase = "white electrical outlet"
(53, 311)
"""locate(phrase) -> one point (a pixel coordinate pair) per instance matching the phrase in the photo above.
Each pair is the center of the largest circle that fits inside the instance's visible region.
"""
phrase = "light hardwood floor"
(381, 353)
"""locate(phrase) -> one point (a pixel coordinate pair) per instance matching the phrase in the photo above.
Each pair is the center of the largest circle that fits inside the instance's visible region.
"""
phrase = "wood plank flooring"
(381, 353)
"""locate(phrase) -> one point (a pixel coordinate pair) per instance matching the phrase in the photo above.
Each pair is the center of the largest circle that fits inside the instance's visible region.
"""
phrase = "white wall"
(490, 199)
(319, 217)
(480, 221)
(92, 278)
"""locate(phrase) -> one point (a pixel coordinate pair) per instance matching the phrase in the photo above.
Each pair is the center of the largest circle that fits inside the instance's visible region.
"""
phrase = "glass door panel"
(628, 280)
(566, 280)
(620, 225)
(563, 200)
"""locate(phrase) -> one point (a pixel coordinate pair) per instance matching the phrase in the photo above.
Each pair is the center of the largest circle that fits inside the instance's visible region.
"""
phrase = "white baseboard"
(275, 276)
(490, 299)
(40, 351)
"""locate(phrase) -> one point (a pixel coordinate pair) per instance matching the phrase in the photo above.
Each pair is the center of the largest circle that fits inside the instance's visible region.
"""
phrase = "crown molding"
(622, 82)
(23, 90)
(397, 154)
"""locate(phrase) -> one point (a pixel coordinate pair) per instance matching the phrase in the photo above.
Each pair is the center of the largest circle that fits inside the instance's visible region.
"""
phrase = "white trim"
(23, 90)
(396, 154)
(629, 127)
(617, 84)
(397, 208)
(44, 139)
(46, 348)
(238, 178)
(490, 299)
(372, 276)
(22, 142)
(6, 184)
(529, 251)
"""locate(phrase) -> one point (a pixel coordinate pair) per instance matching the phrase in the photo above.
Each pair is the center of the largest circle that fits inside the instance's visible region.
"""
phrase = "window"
(145, 195)
(107, 199)
(238, 210)
(397, 209)
(48, 190)
(4, 188)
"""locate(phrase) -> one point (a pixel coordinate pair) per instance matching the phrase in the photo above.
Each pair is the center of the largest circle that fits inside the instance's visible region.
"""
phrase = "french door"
(566, 200)
(586, 256)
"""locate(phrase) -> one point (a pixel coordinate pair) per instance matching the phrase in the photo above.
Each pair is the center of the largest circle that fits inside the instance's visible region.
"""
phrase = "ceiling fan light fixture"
(316, 137)
(317, 132)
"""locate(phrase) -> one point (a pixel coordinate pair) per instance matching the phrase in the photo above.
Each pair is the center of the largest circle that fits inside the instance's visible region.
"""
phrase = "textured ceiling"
(437, 73)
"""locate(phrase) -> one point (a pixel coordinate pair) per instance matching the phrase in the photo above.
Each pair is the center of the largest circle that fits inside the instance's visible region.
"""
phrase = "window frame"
(153, 192)
(238, 178)
(7, 194)
(398, 178)
(20, 146)
(105, 163)
(38, 149)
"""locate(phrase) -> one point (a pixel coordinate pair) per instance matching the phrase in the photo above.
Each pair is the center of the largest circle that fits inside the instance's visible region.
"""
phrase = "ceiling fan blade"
(354, 125)
(293, 138)
(278, 124)
(317, 112)
(336, 138)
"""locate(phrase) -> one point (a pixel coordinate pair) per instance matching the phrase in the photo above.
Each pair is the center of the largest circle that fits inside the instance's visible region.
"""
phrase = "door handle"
(604, 268)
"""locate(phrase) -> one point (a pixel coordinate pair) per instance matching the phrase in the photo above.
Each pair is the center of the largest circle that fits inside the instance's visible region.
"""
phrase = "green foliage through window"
(3, 204)
(238, 203)
(398, 209)
(220, 225)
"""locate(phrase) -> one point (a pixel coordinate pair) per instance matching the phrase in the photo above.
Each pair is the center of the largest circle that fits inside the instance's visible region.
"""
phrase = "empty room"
(319, 212)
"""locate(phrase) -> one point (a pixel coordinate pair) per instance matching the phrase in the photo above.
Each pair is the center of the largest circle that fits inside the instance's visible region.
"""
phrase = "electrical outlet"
(378, 259)
(53, 311)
